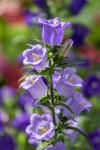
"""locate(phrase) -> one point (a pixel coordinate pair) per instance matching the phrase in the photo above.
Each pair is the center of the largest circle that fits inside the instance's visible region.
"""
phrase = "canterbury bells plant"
(54, 85)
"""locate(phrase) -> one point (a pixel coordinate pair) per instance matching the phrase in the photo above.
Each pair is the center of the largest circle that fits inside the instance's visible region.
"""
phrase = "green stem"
(52, 94)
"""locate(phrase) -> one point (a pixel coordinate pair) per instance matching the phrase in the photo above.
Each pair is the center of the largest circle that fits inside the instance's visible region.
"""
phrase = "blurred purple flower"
(25, 100)
(41, 127)
(91, 85)
(1, 123)
(7, 92)
(31, 17)
(53, 30)
(94, 138)
(79, 33)
(35, 86)
(36, 56)
(76, 6)
(7, 143)
(58, 146)
(21, 121)
(42, 4)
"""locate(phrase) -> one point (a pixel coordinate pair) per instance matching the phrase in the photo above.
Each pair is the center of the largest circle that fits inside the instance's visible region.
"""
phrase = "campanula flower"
(91, 85)
(58, 146)
(21, 121)
(94, 138)
(78, 103)
(35, 86)
(53, 30)
(36, 56)
(69, 77)
(41, 127)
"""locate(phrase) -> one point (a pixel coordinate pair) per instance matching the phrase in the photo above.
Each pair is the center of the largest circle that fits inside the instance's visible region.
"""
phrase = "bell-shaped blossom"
(36, 56)
(35, 86)
(21, 121)
(77, 102)
(53, 30)
(41, 127)
(69, 77)
(58, 146)
(91, 85)
(64, 80)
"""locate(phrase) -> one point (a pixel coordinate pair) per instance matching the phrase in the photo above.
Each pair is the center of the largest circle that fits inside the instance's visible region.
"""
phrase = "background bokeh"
(18, 28)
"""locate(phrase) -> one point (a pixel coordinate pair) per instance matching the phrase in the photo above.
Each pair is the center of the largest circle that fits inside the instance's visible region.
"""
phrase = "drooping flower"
(94, 138)
(62, 89)
(69, 77)
(36, 56)
(64, 80)
(79, 34)
(77, 5)
(21, 121)
(91, 85)
(53, 31)
(77, 103)
(58, 146)
(35, 86)
(7, 143)
(41, 127)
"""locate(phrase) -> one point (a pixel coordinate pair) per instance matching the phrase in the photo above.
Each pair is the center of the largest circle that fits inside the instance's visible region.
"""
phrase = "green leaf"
(43, 145)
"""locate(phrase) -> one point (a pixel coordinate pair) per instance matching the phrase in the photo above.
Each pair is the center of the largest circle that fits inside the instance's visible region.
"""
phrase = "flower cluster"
(54, 86)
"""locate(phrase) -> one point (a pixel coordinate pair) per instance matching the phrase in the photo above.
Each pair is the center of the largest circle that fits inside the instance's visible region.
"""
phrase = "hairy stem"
(52, 94)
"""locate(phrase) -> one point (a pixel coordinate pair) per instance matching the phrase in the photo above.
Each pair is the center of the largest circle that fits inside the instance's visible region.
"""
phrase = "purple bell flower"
(53, 30)
(25, 100)
(91, 86)
(94, 138)
(77, 5)
(35, 86)
(64, 80)
(36, 56)
(41, 127)
(7, 143)
(21, 121)
(58, 146)
(77, 103)
(69, 77)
